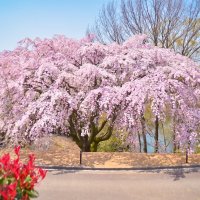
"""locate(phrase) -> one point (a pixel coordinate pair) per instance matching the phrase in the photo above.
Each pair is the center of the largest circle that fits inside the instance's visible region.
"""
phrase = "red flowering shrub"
(17, 180)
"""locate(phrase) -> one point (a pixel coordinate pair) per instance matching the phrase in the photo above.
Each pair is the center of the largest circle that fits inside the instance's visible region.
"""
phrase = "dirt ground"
(62, 151)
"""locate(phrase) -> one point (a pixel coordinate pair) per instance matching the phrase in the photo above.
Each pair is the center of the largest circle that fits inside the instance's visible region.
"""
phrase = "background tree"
(168, 23)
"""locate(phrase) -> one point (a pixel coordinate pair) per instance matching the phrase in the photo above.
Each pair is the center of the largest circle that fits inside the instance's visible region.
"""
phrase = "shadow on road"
(176, 174)
(60, 172)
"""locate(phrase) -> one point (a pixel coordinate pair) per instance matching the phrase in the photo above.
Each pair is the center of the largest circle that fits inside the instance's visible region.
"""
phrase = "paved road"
(121, 185)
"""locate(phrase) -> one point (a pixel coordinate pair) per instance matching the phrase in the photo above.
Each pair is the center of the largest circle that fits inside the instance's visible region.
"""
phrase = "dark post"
(80, 157)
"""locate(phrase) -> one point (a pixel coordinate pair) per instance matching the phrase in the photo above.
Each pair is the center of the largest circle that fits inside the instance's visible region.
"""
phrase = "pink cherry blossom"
(87, 90)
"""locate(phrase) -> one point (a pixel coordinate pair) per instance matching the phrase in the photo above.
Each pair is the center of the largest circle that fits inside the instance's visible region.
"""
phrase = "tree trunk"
(144, 142)
(156, 135)
(86, 144)
(174, 143)
(174, 136)
(139, 139)
(144, 134)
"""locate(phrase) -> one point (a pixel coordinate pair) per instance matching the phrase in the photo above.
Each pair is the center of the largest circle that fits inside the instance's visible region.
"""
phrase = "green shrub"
(114, 144)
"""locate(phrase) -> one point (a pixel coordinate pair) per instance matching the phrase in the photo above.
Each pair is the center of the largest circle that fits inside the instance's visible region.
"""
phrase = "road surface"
(121, 185)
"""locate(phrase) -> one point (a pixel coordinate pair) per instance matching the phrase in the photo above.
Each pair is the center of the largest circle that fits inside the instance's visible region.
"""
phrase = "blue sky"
(45, 18)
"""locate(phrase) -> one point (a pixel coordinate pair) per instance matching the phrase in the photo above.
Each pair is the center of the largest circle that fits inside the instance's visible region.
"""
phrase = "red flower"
(18, 177)
(42, 173)
(17, 149)
(12, 189)
(5, 159)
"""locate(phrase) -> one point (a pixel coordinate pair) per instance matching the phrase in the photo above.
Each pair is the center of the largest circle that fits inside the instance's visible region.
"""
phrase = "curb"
(82, 168)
